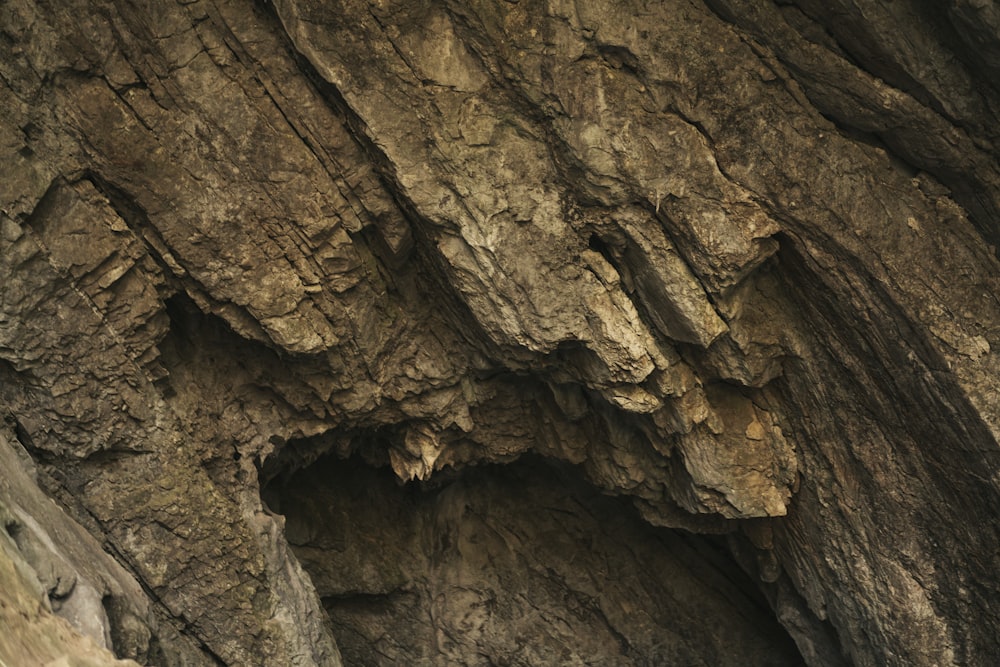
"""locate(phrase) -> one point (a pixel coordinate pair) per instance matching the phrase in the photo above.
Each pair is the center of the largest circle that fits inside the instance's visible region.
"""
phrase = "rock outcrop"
(675, 324)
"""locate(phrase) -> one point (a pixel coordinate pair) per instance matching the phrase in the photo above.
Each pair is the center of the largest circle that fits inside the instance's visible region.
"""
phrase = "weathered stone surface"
(503, 566)
(733, 261)
(52, 567)
(32, 634)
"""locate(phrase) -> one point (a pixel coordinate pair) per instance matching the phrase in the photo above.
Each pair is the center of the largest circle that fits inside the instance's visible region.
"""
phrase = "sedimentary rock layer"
(731, 263)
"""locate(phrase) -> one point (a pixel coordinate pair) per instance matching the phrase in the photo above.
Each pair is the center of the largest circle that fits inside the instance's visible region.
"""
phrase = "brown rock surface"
(732, 263)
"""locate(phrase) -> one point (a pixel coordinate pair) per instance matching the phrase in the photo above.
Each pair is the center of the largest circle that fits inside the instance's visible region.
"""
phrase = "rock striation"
(674, 323)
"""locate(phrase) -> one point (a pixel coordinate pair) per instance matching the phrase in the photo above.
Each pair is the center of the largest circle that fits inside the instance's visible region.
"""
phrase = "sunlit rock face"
(501, 332)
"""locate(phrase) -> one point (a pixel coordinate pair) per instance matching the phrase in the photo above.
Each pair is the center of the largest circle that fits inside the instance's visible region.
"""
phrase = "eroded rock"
(731, 260)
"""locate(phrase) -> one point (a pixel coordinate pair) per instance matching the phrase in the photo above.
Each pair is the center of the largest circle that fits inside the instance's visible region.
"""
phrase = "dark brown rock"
(730, 262)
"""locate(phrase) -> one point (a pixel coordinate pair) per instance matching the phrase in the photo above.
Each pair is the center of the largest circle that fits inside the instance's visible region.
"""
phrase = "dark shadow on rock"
(524, 564)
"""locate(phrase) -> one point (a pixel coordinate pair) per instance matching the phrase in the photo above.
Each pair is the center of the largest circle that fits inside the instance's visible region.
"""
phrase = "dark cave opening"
(518, 564)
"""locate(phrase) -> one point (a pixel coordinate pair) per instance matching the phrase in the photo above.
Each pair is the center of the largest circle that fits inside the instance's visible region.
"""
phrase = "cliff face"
(676, 319)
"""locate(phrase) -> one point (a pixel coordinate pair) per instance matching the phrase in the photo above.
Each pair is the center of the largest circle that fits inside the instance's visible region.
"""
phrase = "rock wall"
(731, 264)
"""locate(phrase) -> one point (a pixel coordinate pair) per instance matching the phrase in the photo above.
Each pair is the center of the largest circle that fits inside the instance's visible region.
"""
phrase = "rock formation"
(499, 332)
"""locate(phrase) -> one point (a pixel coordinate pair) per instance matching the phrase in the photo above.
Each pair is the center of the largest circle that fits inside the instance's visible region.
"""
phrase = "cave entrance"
(522, 564)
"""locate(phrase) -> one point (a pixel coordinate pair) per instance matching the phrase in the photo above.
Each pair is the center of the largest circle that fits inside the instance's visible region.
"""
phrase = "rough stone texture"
(58, 584)
(505, 567)
(732, 261)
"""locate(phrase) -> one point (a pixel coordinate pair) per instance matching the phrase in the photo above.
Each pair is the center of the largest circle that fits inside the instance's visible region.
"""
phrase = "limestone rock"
(730, 263)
